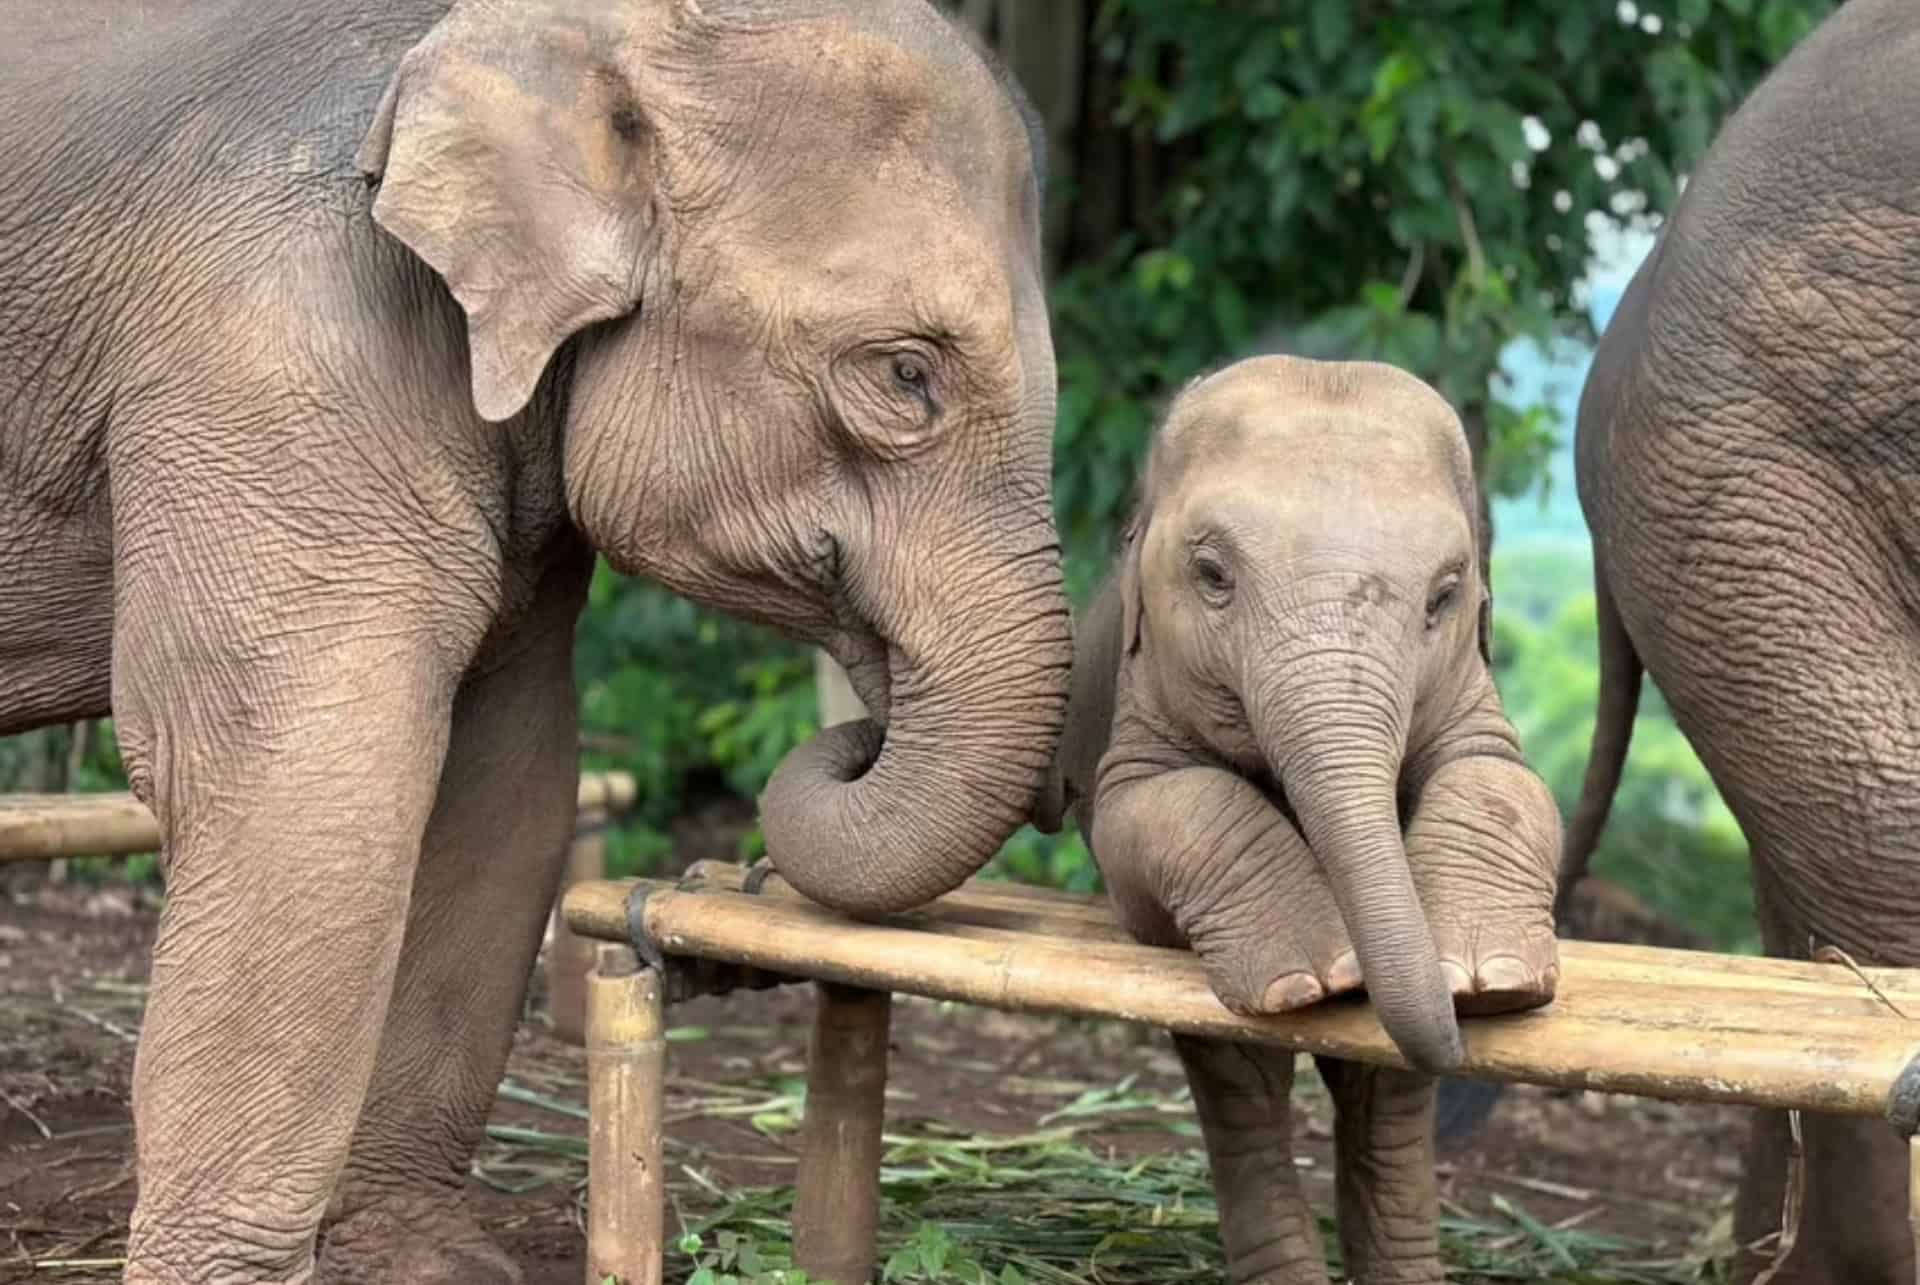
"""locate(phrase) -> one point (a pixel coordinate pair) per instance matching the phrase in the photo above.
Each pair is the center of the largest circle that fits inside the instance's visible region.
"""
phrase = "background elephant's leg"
(292, 778)
(489, 868)
(1853, 1223)
(1801, 694)
(1388, 1200)
(1243, 1095)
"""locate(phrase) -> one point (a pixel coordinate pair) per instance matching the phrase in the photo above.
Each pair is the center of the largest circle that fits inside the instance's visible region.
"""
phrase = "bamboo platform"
(1678, 1025)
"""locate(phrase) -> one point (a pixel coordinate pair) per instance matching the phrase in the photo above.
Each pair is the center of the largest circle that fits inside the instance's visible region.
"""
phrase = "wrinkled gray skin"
(334, 338)
(1749, 463)
(1285, 746)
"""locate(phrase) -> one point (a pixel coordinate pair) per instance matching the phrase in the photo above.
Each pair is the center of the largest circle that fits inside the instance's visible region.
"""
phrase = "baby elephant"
(1286, 751)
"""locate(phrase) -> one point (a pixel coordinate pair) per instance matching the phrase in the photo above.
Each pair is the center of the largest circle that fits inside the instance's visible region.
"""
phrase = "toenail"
(1295, 990)
(1459, 980)
(1344, 975)
(1505, 973)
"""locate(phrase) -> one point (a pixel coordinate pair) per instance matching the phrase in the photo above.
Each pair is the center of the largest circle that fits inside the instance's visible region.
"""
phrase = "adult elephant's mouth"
(865, 657)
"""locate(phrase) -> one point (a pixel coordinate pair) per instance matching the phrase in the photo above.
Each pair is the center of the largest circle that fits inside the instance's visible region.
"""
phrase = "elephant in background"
(1748, 457)
(334, 340)
(1284, 746)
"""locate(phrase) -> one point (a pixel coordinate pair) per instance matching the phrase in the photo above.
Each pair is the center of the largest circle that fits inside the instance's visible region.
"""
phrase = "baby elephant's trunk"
(1333, 732)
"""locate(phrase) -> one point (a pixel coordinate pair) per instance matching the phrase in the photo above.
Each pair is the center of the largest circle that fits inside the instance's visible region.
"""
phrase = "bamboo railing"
(47, 827)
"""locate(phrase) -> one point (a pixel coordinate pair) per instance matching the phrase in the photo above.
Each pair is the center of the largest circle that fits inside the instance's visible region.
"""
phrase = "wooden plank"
(1793, 1037)
(41, 827)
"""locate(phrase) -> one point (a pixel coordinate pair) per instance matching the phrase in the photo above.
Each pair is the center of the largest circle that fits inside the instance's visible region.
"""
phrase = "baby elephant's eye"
(910, 372)
(1441, 598)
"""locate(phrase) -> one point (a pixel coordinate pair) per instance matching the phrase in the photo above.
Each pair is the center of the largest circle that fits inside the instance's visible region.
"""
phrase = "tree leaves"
(1363, 174)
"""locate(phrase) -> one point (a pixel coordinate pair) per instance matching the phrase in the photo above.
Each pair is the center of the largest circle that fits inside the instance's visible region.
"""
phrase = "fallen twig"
(1834, 955)
(1791, 1203)
(32, 1119)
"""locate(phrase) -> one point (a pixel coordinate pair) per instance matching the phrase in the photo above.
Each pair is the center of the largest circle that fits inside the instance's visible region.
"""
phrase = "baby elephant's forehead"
(1316, 419)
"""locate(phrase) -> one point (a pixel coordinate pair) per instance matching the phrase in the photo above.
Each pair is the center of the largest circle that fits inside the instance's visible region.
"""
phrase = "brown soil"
(72, 959)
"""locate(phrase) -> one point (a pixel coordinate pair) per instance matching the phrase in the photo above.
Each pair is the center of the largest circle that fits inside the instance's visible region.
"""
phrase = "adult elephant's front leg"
(290, 758)
(489, 869)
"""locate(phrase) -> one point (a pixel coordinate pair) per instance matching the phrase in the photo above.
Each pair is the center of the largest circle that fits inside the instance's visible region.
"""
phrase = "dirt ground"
(73, 959)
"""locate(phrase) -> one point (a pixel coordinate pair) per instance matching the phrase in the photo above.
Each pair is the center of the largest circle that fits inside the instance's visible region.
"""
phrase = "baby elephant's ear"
(1130, 587)
(513, 157)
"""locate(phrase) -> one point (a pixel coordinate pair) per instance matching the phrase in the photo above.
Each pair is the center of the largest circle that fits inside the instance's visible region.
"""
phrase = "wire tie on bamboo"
(683, 978)
(757, 875)
(642, 941)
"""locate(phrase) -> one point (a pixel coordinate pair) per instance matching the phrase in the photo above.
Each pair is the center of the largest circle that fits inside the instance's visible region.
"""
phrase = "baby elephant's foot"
(1492, 968)
(412, 1240)
(1483, 845)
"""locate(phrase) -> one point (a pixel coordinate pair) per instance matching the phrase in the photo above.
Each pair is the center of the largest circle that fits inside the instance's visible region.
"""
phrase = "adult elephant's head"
(777, 267)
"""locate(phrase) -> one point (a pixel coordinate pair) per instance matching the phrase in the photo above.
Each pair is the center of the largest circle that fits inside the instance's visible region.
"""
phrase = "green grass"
(1053, 1207)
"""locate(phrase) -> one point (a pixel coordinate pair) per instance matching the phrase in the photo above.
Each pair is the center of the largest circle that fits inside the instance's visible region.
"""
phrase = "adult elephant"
(1749, 462)
(334, 339)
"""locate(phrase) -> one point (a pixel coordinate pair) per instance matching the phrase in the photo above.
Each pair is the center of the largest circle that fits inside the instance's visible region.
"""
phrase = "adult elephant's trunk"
(866, 819)
(1333, 731)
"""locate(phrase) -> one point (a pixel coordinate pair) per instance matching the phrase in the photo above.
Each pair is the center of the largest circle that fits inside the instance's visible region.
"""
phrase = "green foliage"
(1050, 860)
(737, 1259)
(671, 693)
(1403, 180)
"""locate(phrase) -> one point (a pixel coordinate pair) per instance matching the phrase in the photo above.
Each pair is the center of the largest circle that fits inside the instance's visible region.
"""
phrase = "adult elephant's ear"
(1486, 629)
(514, 158)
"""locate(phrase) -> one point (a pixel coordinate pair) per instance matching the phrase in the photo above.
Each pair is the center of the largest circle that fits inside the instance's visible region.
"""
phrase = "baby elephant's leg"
(1198, 857)
(1243, 1094)
(1387, 1201)
(1484, 844)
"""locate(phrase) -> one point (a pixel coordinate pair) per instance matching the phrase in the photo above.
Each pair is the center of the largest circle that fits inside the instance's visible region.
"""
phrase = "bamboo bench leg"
(836, 1206)
(626, 1083)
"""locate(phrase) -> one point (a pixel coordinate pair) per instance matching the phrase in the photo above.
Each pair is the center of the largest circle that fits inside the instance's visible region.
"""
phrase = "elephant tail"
(1620, 674)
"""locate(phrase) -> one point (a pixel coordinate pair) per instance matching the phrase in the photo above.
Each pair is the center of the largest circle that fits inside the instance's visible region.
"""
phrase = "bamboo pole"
(1013, 908)
(626, 1082)
(40, 827)
(836, 1207)
(1796, 1035)
(43, 827)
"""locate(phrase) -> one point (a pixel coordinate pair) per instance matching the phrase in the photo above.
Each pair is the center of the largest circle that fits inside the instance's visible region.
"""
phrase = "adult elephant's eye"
(1212, 579)
(1441, 598)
